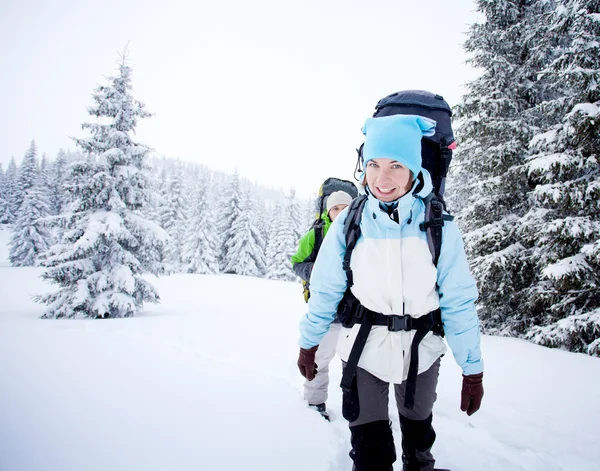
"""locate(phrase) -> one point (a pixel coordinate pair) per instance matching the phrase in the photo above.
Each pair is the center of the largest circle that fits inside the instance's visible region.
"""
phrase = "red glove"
(306, 362)
(472, 393)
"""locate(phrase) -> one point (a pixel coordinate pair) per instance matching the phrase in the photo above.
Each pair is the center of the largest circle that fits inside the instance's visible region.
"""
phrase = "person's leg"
(371, 434)
(417, 432)
(315, 391)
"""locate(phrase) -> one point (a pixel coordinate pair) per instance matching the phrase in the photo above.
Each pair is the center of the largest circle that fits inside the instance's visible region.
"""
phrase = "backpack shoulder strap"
(433, 224)
(318, 227)
(352, 232)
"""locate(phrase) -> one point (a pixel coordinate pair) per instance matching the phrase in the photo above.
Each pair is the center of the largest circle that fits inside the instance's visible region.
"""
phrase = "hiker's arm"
(302, 262)
(458, 292)
(327, 286)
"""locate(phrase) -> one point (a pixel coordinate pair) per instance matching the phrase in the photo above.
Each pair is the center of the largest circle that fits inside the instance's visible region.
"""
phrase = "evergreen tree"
(564, 174)
(156, 184)
(11, 189)
(246, 246)
(309, 213)
(107, 243)
(286, 237)
(30, 238)
(272, 242)
(229, 215)
(27, 176)
(493, 138)
(296, 215)
(174, 216)
(5, 213)
(262, 217)
(45, 183)
(58, 197)
(201, 247)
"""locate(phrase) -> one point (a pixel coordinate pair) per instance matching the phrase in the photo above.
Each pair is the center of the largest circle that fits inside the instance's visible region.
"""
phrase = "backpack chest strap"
(352, 312)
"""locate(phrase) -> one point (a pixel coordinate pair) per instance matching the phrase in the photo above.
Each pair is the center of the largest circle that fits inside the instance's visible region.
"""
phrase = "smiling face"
(388, 179)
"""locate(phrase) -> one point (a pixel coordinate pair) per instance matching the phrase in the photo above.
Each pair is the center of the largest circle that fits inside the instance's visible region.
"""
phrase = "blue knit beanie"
(396, 137)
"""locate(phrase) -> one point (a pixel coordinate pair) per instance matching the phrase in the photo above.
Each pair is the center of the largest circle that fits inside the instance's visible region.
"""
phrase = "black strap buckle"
(437, 214)
(398, 323)
(360, 313)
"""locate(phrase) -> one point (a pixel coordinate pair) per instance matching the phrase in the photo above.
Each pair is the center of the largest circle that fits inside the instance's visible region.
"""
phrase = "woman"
(393, 275)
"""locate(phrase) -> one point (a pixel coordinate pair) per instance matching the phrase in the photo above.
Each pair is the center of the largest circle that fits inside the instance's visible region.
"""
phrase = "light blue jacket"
(392, 271)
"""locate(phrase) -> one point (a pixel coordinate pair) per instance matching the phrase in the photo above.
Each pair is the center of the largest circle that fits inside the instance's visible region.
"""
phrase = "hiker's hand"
(306, 362)
(472, 393)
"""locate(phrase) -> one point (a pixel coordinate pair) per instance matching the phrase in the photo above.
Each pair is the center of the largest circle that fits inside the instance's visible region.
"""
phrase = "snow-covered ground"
(207, 380)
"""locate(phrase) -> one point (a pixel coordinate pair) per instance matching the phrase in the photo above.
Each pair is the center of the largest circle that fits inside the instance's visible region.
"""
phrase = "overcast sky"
(278, 89)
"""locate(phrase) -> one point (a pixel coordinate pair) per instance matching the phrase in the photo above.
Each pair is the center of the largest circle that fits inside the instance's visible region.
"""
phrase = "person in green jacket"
(315, 391)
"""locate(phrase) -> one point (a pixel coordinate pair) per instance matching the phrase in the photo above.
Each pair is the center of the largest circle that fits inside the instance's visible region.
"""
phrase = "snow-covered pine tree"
(246, 246)
(309, 214)
(5, 213)
(30, 236)
(201, 247)
(296, 216)
(564, 175)
(151, 210)
(493, 137)
(161, 193)
(174, 215)
(272, 243)
(107, 243)
(231, 212)
(58, 195)
(11, 178)
(45, 182)
(262, 217)
(27, 176)
(285, 240)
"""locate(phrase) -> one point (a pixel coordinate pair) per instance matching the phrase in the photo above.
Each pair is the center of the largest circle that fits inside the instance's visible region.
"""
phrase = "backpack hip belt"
(352, 312)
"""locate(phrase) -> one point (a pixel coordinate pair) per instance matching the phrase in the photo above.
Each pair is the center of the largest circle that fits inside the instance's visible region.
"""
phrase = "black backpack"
(436, 154)
(328, 187)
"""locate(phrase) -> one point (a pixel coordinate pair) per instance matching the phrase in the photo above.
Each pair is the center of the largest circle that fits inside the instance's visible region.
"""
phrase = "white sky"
(278, 89)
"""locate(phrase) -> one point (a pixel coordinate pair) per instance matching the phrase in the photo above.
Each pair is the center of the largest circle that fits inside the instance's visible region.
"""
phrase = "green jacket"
(303, 259)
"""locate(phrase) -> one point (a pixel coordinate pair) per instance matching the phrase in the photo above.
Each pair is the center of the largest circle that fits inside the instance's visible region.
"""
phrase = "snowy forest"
(524, 185)
(100, 217)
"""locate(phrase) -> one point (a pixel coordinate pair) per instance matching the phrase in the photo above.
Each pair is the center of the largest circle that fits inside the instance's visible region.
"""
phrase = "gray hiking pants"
(315, 391)
(372, 440)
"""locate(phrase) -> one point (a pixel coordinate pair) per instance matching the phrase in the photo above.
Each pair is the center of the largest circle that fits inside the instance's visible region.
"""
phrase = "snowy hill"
(207, 380)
